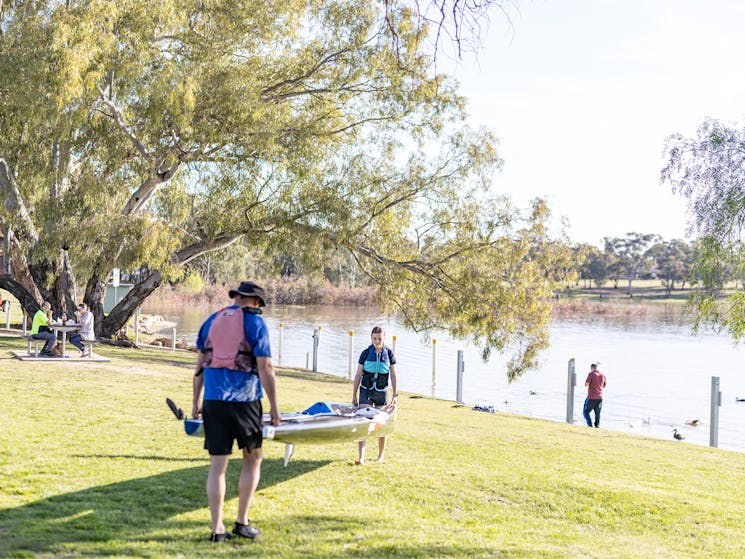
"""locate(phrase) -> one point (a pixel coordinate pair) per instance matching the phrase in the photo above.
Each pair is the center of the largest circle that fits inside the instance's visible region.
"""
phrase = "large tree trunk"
(119, 315)
(65, 293)
(95, 290)
(25, 298)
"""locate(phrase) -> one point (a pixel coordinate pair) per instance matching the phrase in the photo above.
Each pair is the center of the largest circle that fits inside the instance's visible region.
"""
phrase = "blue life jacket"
(376, 369)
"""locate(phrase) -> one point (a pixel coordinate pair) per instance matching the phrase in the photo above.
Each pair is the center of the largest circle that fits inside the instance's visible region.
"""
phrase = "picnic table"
(65, 328)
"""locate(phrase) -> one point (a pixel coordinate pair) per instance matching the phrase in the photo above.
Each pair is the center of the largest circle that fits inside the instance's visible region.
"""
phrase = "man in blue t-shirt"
(234, 370)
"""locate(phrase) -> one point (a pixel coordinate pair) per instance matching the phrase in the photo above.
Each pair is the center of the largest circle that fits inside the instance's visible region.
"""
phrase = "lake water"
(659, 375)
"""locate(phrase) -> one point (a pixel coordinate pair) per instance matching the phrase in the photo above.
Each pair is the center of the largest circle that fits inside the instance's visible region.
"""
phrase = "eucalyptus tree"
(709, 170)
(673, 260)
(630, 253)
(595, 265)
(144, 134)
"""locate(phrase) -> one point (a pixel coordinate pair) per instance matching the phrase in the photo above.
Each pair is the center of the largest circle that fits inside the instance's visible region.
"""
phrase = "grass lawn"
(94, 465)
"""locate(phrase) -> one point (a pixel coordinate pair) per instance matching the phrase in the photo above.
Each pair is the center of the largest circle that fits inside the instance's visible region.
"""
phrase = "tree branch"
(117, 116)
(14, 202)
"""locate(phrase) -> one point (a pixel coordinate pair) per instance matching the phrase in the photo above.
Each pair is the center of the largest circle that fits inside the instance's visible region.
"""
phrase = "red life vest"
(226, 345)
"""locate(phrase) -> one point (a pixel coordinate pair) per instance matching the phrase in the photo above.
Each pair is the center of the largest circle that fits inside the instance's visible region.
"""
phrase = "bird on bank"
(693, 422)
(678, 436)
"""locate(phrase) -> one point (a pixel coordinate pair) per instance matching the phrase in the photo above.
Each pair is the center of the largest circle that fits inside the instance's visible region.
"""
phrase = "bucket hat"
(249, 289)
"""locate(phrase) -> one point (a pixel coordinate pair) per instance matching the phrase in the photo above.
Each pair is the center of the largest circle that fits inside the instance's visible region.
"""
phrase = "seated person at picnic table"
(85, 319)
(40, 329)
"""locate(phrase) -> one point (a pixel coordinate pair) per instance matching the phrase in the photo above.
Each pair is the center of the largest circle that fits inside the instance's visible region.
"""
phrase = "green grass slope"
(92, 464)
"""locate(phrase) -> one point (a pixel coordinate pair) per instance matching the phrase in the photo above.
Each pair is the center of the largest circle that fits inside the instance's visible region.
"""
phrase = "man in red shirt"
(595, 383)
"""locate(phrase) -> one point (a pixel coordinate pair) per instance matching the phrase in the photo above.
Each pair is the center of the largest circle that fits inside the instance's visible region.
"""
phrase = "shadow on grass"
(149, 457)
(139, 510)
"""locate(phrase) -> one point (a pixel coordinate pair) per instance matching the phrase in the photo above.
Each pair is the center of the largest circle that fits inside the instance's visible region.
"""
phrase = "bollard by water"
(434, 365)
(173, 339)
(307, 356)
(571, 383)
(7, 314)
(279, 348)
(459, 380)
(316, 340)
(716, 402)
(351, 349)
(393, 345)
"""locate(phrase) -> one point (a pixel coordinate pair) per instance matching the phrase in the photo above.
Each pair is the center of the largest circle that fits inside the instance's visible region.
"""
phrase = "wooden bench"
(31, 340)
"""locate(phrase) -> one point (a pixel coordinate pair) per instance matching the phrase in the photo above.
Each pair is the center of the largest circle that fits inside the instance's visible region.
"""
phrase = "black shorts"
(373, 397)
(225, 422)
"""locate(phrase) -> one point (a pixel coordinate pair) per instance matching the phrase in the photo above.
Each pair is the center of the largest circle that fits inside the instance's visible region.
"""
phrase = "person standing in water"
(376, 369)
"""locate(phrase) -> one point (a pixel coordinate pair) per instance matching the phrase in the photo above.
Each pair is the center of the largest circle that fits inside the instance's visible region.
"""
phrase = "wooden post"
(351, 349)
(434, 365)
(137, 326)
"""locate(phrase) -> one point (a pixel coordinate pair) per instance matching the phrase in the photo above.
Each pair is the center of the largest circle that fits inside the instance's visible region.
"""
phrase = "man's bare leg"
(216, 491)
(249, 480)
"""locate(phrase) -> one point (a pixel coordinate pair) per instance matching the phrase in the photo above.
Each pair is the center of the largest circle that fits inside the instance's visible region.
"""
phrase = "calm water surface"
(659, 376)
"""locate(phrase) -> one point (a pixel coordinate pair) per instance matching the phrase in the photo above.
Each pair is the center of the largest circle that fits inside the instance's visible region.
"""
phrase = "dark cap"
(248, 289)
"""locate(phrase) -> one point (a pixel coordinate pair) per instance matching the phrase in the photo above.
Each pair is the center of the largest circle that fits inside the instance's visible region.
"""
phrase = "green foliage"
(709, 171)
(193, 282)
(304, 127)
(629, 254)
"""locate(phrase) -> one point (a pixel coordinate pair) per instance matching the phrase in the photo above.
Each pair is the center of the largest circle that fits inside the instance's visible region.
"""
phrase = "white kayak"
(321, 423)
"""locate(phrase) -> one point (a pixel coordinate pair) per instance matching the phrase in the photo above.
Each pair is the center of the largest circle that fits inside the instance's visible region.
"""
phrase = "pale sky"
(583, 93)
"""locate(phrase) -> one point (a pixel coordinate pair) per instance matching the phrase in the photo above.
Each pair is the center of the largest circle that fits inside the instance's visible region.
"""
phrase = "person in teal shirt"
(40, 329)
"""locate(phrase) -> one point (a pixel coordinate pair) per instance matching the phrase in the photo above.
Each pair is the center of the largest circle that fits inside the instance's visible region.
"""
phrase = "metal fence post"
(716, 402)
(351, 349)
(316, 339)
(459, 382)
(434, 365)
(571, 383)
(279, 348)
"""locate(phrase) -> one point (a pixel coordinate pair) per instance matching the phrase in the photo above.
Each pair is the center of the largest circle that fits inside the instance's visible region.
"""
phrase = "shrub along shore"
(93, 464)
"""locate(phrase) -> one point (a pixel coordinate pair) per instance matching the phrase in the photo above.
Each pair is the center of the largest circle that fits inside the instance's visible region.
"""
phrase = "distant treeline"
(335, 278)
(649, 256)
